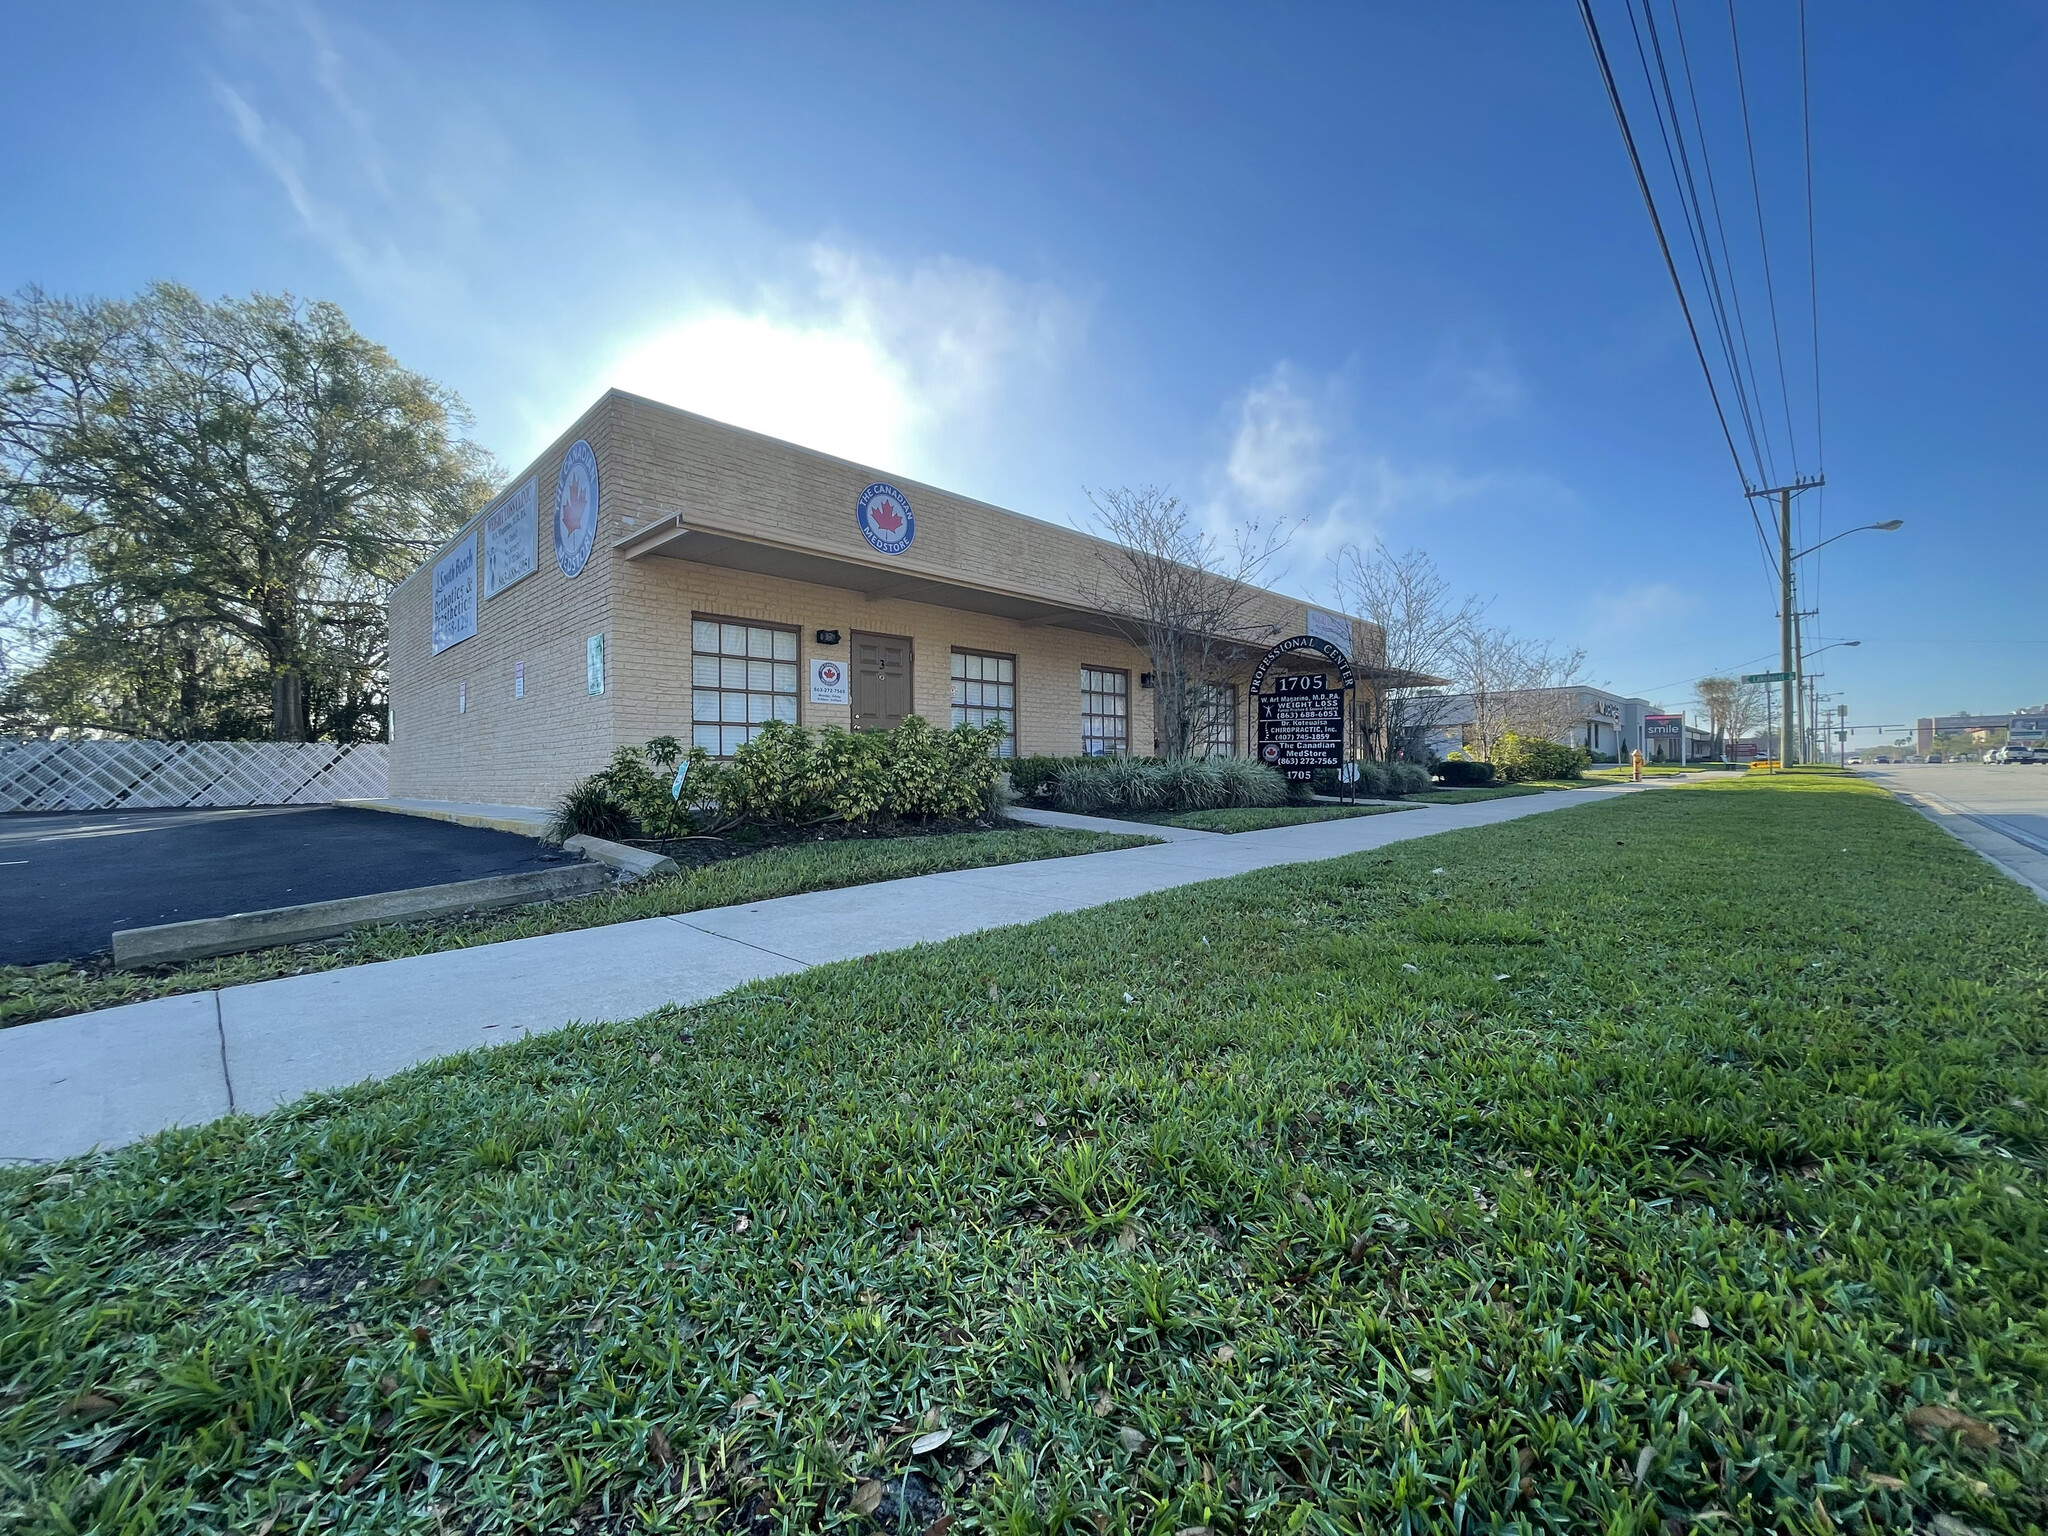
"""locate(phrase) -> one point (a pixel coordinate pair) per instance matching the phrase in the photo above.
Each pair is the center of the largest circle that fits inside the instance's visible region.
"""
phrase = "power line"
(1657, 225)
(1763, 245)
(1679, 163)
(1812, 285)
(1720, 226)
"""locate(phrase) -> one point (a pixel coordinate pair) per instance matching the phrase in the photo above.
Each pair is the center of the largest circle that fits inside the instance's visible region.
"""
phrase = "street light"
(1890, 525)
(1807, 678)
(1790, 664)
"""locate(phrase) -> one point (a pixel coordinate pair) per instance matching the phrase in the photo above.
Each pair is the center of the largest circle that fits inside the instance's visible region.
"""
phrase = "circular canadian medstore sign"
(885, 519)
(575, 508)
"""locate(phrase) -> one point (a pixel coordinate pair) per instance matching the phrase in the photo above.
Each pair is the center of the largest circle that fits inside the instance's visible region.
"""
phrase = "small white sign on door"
(828, 680)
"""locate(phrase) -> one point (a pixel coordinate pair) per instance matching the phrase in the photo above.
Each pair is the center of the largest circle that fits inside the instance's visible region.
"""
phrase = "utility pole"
(1786, 662)
(1787, 659)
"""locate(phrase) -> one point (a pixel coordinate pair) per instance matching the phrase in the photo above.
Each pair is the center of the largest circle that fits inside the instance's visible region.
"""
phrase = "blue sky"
(1378, 271)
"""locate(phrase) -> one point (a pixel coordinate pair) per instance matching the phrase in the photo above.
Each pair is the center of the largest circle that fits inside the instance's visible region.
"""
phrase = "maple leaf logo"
(885, 517)
(572, 510)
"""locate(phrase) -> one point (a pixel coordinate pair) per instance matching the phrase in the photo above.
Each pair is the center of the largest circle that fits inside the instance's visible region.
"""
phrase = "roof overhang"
(673, 539)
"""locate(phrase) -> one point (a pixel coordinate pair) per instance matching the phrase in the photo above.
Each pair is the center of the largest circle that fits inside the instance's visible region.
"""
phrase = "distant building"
(2027, 724)
(1607, 725)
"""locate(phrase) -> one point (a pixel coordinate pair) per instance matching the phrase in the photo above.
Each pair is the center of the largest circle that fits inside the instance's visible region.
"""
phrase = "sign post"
(1301, 718)
(1777, 746)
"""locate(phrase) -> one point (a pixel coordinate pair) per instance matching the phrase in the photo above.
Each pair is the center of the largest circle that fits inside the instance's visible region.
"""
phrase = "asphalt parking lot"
(67, 881)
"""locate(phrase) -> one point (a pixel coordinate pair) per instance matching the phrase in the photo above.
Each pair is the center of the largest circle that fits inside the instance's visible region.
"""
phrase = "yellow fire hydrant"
(1635, 765)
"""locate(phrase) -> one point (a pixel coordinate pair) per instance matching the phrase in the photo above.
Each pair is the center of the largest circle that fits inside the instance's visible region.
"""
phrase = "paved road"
(67, 881)
(114, 1076)
(1999, 809)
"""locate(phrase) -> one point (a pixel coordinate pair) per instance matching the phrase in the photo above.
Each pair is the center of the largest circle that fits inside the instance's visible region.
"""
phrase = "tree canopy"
(202, 508)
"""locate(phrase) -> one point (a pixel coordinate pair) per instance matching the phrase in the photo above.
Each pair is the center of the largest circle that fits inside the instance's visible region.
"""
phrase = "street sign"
(1767, 677)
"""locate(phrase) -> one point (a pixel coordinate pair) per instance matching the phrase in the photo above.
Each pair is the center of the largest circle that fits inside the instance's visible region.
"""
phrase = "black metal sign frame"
(1347, 684)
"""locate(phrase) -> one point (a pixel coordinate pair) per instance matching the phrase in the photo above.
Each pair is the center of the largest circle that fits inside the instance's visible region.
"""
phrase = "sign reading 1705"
(1300, 716)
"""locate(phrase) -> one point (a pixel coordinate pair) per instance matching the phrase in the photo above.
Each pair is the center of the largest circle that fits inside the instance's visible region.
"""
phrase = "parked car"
(1995, 755)
(1883, 759)
(1855, 762)
(1934, 757)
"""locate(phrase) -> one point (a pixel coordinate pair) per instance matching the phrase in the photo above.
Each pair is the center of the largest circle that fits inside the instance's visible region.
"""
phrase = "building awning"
(673, 539)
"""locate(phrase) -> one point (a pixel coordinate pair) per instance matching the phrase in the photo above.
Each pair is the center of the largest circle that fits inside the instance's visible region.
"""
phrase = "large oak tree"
(185, 483)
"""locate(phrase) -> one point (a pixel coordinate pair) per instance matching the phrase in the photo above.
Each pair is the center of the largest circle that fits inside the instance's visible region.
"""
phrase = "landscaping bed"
(721, 872)
(1255, 818)
(1603, 1170)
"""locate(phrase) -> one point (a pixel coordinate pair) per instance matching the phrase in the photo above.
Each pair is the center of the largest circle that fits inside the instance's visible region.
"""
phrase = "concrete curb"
(633, 863)
(169, 942)
(526, 820)
(2017, 858)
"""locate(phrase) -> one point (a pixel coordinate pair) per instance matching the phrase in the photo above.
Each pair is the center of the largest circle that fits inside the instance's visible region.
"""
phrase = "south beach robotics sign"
(1301, 715)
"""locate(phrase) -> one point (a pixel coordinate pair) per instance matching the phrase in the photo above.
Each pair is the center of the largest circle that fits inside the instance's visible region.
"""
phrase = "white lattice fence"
(150, 775)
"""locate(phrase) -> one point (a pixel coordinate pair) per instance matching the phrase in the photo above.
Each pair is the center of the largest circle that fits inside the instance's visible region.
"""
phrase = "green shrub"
(588, 810)
(1192, 784)
(1463, 773)
(790, 776)
(1521, 758)
(1406, 778)
(1111, 786)
(1035, 777)
(1248, 782)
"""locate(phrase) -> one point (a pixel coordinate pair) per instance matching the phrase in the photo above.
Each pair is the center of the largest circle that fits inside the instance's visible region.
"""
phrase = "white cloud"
(1276, 455)
(863, 358)
(678, 294)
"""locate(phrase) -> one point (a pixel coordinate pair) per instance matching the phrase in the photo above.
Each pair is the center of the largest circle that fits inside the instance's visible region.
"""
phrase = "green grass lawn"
(1242, 818)
(1467, 794)
(28, 993)
(1613, 1170)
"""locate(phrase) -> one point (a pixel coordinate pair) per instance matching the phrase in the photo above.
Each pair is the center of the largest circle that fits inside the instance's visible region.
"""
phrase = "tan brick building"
(722, 579)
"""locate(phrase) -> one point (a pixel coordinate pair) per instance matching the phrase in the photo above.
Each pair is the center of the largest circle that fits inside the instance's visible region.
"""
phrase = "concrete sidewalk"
(108, 1078)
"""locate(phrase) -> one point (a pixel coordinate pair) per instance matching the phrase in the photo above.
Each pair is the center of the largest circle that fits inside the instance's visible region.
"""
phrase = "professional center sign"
(1301, 715)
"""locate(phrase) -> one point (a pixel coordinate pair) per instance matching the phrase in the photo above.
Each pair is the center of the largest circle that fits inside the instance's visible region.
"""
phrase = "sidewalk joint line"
(748, 943)
(220, 1030)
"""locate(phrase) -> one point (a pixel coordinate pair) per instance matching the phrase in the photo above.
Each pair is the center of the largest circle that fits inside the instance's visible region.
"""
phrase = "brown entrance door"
(881, 681)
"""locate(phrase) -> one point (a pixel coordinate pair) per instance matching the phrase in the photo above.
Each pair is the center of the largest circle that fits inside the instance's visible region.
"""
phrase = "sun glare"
(831, 389)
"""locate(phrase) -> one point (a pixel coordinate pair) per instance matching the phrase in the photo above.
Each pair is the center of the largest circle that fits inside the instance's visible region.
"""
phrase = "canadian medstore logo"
(829, 673)
(885, 519)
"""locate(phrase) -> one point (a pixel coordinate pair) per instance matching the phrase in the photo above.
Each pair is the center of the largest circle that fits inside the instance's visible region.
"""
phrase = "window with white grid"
(1213, 707)
(741, 677)
(985, 689)
(1105, 712)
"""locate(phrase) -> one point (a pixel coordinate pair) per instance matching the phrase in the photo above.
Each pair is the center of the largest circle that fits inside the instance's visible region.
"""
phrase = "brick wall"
(657, 597)
(655, 462)
(506, 750)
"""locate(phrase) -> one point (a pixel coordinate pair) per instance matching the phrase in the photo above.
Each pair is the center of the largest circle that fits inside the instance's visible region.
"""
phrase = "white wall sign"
(593, 663)
(455, 595)
(828, 680)
(511, 530)
(575, 508)
(1333, 627)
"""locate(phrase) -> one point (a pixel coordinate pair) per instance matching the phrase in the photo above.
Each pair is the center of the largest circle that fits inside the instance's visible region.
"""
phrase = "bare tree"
(1421, 635)
(1195, 606)
(1526, 687)
(1733, 708)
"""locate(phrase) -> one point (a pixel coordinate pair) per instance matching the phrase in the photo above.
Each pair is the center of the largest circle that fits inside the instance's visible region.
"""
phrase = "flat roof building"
(658, 573)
